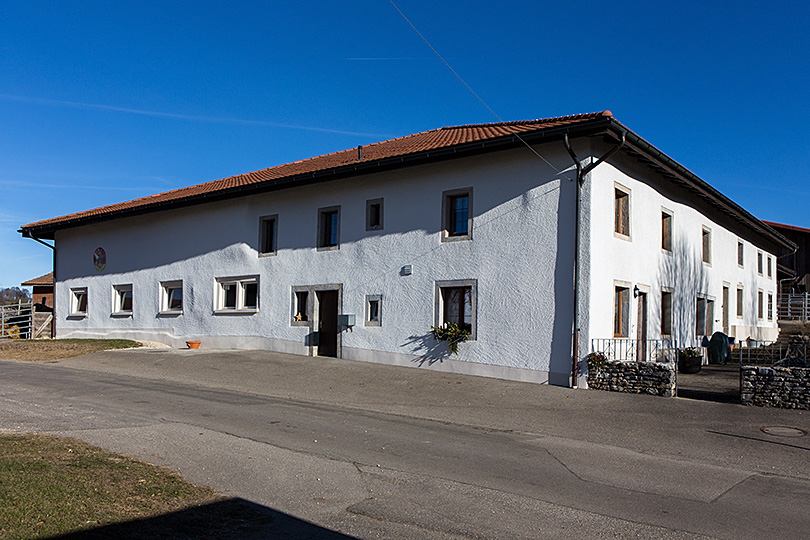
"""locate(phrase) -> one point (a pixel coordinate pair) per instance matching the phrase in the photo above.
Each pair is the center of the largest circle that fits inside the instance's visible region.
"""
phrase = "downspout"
(581, 173)
(53, 248)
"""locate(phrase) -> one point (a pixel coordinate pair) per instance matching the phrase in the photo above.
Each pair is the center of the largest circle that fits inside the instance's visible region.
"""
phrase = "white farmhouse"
(494, 227)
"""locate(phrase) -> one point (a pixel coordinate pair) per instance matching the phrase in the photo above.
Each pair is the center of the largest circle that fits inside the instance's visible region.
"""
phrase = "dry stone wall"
(634, 377)
(784, 387)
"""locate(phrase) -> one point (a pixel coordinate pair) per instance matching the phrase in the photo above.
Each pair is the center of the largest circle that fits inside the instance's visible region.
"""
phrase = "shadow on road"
(720, 383)
(230, 519)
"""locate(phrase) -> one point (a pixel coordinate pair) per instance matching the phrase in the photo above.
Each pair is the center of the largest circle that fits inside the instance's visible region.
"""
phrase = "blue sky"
(102, 102)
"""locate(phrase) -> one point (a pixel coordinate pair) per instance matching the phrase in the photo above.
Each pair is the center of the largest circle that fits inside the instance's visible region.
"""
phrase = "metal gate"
(16, 320)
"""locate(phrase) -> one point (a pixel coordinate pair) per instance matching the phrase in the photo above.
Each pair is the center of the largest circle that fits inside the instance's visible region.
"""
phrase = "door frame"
(315, 306)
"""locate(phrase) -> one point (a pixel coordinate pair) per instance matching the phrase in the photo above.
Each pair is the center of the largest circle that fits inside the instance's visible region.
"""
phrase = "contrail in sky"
(177, 116)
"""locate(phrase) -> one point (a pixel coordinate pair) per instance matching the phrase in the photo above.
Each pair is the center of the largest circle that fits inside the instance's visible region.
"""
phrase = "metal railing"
(637, 350)
(794, 307)
(772, 353)
(16, 320)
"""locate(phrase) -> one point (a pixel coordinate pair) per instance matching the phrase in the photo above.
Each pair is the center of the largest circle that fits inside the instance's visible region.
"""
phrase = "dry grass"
(51, 485)
(57, 349)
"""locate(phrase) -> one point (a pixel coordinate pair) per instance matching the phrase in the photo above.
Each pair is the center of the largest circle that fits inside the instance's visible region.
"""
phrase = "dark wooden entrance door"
(327, 323)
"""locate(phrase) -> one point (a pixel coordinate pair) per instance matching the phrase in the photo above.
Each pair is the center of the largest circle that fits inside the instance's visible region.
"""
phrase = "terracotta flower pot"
(193, 344)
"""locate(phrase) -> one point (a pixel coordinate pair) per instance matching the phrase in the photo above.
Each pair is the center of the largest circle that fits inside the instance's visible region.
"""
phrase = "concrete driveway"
(375, 451)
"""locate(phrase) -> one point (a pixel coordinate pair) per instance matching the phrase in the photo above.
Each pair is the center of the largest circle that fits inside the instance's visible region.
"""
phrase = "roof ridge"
(606, 113)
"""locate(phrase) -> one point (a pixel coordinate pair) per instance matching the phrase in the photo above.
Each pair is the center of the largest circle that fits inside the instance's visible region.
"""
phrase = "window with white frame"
(621, 311)
(704, 316)
(740, 254)
(300, 306)
(78, 302)
(666, 230)
(122, 299)
(373, 310)
(237, 294)
(621, 211)
(374, 214)
(456, 303)
(706, 244)
(770, 306)
(760, 306)
(759, 263)
(328, 228)
(739, 302)
(171, 297)
(770, 266)
(666, 312)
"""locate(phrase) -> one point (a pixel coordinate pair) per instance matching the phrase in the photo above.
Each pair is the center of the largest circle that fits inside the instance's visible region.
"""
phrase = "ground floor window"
(300, 306)
(78, 301)
(171, 297)
(621, 311)
(373, 310)
(704, 316)
(666, 313)
(237, 294)
(456, 303)
(122, 299)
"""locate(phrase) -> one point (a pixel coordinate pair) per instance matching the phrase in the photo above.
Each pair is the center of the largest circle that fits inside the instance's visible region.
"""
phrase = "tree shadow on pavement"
(230, 519)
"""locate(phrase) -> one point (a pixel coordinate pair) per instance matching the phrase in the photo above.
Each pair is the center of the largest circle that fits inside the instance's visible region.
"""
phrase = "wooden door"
(327, 323)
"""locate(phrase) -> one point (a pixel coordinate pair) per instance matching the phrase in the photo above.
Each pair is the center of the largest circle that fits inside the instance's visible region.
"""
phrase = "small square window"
(373, 310)
(621, 212)
(237, 294)
(171, 301)
(268, 235)
(328, 228)
(456, 303)
(122, 299)
(759, 263)
(666, 231)
(300, 308)
(78, 302)
(374, 215)
(740, 253)
(457, 215)
(707, 245)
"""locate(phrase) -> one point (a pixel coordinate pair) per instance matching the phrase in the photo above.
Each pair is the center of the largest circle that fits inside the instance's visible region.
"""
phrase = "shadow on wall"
(684, 274)
(231, 519)
(428, 349)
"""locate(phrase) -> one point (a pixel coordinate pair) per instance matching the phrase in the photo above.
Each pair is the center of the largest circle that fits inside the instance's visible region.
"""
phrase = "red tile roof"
(47, 279)
(776, 225)
(435, 139)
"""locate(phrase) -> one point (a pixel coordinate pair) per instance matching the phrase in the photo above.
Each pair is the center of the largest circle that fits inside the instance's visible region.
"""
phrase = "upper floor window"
(268, 235)
(621, 212)
(770, 266)
(122, 299)
(457, 215)
(78, 301)
(329, 228)
(374, 215)
(171, 297)
(759, 263)
(237, 294)
(740, 253)
(707, 245)
(666, 231)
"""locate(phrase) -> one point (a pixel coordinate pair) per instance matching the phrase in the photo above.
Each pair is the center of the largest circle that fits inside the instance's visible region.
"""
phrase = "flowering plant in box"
(452, 333)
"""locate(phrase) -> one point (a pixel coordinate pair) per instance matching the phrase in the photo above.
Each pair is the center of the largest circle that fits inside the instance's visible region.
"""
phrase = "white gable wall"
(521, 255)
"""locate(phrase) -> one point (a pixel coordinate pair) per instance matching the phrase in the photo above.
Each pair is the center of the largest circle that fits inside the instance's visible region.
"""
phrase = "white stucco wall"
(521, 255)
(640, 261)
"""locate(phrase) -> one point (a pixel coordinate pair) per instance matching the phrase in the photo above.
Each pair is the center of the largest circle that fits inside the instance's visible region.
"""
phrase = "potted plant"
(690, 360)
(596, 361)
(452, 333)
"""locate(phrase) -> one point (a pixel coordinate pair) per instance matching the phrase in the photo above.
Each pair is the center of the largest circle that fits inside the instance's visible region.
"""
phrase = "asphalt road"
(372, 451)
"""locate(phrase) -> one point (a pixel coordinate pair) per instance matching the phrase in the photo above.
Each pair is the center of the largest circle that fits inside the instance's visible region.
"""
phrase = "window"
(621, 312)
(171, 301)
(770, 266)
(739, 302)
(759, 263)
(122, 299)
(456, 302)
(760, 306)
(457, 215)
(740, 253)
(268, 235)
(621, 218)
(328, 228)
(374, 215)
(704, 316)
(707, 245)
(666, 313)
(78, 302)
(237, 294)
(770, 306)
(300, 308)
(373, 306)
(666, 231)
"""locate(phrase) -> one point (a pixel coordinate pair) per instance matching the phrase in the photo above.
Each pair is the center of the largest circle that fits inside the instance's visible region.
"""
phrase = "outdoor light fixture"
(635, 291)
